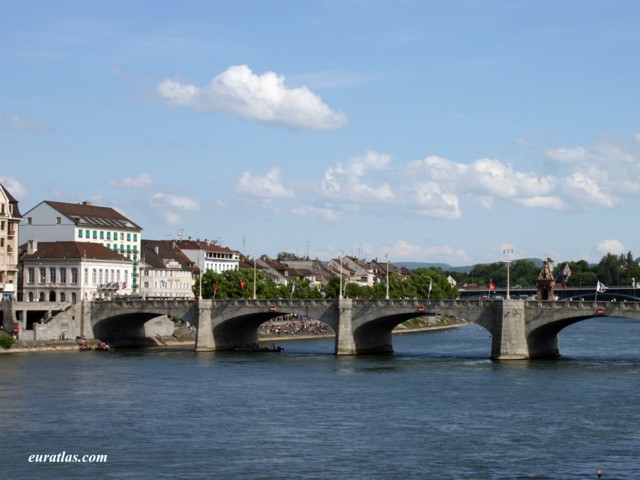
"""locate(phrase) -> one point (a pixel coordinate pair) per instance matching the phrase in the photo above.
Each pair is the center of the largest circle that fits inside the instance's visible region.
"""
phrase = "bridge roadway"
(519, 329)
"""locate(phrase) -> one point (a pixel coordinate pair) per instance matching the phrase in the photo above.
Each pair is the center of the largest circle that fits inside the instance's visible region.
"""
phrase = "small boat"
(85, 347)
(103, 347)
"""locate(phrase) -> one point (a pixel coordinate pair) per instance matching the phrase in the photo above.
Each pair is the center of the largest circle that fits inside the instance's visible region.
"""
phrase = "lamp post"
(254, 278)
(508, 252)
(387, 257)
(340, 292)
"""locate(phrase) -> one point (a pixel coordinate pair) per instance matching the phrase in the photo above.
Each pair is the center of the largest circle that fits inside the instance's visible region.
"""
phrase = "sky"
(459, 132)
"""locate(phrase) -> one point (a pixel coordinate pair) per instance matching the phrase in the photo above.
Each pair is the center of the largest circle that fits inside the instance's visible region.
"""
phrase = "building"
(83, 222)
(165, 272)
(9, 221)
(209, 255)
(72, 271)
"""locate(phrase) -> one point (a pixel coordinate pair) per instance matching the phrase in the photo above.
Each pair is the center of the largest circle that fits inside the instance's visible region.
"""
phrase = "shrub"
(6, 341)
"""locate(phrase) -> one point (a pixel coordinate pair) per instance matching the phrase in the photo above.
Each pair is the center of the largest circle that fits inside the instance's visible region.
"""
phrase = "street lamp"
(340, 293)
(254, 278)
(508, 252)
(387, 257)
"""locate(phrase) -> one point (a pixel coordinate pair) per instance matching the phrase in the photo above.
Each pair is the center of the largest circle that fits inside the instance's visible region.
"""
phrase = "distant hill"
(448, 268)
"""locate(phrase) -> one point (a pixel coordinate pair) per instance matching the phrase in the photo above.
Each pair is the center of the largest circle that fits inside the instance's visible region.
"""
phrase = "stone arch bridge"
(519, 329)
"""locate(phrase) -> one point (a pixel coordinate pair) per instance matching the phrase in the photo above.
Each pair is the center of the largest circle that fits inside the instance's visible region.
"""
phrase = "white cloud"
(437, 183)
(610, 246)
(268, 186)
(19, 123)
(345, 181)
(264, 98)
(141, 181)
(184, 204)
(14, 187)
(327, 214)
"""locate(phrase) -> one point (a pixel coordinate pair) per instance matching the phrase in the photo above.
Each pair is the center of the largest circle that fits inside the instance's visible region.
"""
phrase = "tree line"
(421, 283)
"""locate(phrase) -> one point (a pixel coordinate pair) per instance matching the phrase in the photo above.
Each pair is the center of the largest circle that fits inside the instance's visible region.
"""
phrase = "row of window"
(95, 276)
(55, 275)
(106, 235)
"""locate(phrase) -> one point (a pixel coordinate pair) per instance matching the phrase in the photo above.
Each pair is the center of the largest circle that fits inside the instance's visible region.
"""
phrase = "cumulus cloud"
(345, 181)
(141, 181)
(184, 204)
(13, 185)
(174, 207)
(610, 246)
(267, 186)
(327, 214)
(263, 98)
(436, 184)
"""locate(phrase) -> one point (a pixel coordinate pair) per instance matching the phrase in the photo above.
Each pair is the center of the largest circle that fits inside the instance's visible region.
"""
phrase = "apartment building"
(51, 221)
(9, 221)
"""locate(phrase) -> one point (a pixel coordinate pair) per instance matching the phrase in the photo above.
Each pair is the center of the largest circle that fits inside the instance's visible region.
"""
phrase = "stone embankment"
(280, 330)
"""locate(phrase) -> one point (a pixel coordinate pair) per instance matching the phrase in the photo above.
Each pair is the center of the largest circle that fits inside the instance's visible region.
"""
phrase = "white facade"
(165, 283)
(55, 274)
(9, 221)
(210, 256)
(56, 221)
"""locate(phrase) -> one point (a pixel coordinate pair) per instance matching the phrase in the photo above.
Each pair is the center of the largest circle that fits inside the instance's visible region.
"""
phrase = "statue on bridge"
(546, 281)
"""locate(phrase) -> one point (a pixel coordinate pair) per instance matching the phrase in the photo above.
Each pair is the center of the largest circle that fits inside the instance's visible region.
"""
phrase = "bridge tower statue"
(546, 282)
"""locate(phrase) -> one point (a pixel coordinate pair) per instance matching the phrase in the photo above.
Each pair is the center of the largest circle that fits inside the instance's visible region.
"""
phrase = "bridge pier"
(204, 333)
(345, 344)
(509, 341)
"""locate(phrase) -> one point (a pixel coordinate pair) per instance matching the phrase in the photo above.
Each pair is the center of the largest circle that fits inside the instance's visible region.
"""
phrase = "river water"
(437, 408)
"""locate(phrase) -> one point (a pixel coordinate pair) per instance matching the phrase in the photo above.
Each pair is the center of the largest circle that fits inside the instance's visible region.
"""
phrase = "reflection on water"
(437, 408)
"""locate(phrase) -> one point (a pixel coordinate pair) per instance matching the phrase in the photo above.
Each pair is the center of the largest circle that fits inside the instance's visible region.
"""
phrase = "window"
(43, 275)
(128, 237)
(101, 235)
(63, 275)
(95, 234)
(86, 233)
(29, 220)
(31, 275)
(52, 275)
(108, 235)
(80, 233)
(74, 275)
(58, 220)
(94, 276)
(86, 276)
(135, 237)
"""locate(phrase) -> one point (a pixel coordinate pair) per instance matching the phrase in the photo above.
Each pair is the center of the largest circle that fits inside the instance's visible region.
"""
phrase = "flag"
(492, 286)
(243, 284)
(600, 287)
(430, 285)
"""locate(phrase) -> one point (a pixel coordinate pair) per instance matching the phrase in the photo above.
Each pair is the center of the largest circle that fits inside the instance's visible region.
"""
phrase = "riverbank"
(172, 341)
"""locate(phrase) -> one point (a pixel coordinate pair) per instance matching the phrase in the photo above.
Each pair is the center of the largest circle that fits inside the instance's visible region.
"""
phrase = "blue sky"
(434, 131)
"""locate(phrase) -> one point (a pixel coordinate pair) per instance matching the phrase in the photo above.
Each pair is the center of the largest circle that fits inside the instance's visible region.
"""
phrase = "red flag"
(492, 286)
(243, 284)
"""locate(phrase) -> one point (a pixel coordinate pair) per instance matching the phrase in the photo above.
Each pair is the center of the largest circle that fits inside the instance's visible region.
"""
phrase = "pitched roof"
(71, 250)
(159, 254)
(86, 214)
(200, 245)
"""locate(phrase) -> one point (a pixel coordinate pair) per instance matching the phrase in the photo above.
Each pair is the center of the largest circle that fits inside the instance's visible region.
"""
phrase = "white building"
(73, 271)
(9, 221)
(165, 271)
(210, 256)
(69, 222)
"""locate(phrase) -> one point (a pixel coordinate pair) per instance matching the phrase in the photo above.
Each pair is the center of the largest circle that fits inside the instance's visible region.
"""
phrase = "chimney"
(32, 246)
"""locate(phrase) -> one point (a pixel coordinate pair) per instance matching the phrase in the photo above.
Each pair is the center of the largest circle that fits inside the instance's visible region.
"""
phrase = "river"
(437, 408)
